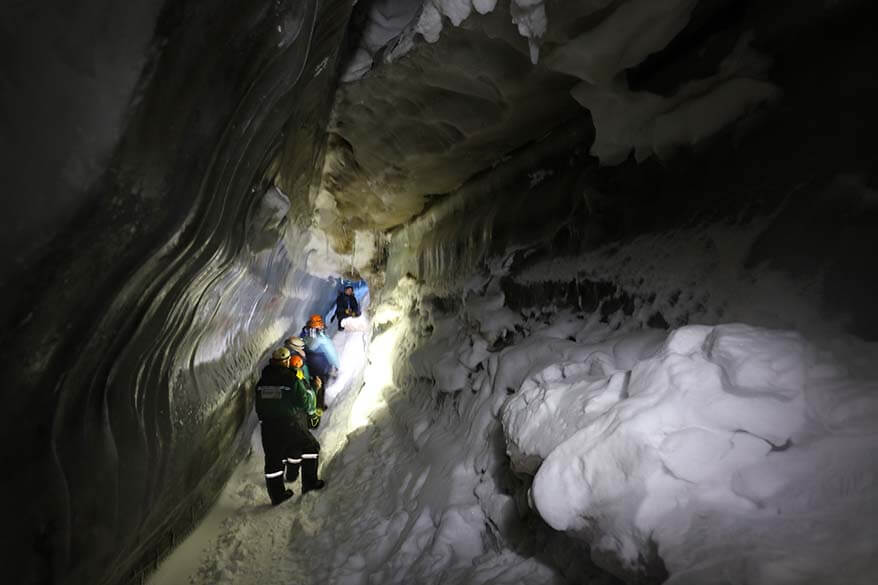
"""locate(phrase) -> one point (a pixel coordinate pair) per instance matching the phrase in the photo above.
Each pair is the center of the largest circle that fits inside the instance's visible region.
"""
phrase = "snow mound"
(732, 438)
(359, 324)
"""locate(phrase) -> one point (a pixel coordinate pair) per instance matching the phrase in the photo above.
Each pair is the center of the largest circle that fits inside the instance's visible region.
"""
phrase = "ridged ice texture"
(135, 334)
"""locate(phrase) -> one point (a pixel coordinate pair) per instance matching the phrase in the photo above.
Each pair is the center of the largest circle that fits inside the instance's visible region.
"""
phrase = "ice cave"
(616, 261)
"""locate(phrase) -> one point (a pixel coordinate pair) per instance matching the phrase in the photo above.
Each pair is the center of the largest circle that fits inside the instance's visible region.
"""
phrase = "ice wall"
(172, 255)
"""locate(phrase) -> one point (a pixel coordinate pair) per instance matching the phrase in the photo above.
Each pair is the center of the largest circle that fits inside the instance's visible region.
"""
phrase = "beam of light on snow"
(354, 353)
(351, 347)
(378, 373)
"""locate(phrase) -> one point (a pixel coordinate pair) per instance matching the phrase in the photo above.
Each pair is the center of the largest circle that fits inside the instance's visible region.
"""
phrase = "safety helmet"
(280, 354)
(297, 361)
(295, 343)
(315, 321)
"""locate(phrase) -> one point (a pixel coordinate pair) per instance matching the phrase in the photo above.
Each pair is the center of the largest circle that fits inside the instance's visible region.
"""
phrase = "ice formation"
(386, 20)
(392, 25)
(624, 38)
(651, 124)
(621, 37)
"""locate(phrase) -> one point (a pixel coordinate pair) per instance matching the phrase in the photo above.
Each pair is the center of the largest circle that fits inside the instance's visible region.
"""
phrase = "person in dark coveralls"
(284, 404)
(346, 305)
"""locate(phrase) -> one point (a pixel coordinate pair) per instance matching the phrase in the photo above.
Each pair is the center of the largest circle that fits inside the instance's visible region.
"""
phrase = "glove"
(314, 419)
(318, 383)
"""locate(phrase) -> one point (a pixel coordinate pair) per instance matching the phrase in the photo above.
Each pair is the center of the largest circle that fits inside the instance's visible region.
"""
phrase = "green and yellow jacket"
(283, 393)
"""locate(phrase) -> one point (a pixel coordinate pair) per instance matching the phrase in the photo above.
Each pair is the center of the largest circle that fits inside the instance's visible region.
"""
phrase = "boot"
(317, 485)
(309, 476)
(292, 472)
(276, 491)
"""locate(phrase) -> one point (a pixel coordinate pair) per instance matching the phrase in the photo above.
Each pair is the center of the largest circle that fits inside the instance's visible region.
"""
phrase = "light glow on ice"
(379, 370)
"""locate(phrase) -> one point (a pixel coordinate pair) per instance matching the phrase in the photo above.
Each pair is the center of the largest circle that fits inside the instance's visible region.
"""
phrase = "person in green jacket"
(285, 404)
(296, 345)
(312, 421)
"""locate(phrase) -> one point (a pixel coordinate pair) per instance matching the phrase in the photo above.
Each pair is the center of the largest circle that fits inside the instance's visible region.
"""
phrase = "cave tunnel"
(616, 261)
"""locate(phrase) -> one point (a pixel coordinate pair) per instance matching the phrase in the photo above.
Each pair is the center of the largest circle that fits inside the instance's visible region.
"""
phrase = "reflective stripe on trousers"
(274, 474)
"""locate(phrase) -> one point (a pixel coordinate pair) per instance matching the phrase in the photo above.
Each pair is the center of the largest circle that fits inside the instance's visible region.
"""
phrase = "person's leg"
(292, 469)
(273, 444)
(321, 397)
(293, 453)
(310, 461)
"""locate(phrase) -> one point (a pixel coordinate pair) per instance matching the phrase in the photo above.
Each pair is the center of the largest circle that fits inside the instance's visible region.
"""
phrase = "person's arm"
(307, 396)
(309, 400)
(355, 306)
(311, 404)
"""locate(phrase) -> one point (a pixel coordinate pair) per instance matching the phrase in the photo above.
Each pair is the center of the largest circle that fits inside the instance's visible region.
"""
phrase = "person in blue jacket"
(320, 353)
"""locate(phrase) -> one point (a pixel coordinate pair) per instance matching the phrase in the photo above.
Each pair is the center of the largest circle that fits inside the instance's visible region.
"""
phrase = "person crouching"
(346, 305)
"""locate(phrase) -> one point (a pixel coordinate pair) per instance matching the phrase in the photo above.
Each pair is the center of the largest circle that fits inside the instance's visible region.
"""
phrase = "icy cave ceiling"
(434, 93)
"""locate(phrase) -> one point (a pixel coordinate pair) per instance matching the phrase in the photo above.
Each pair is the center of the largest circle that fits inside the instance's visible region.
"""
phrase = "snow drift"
(699, 453)
(730, 438)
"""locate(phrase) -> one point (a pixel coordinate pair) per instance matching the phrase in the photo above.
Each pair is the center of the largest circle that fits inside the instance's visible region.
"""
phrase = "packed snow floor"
(467, 443)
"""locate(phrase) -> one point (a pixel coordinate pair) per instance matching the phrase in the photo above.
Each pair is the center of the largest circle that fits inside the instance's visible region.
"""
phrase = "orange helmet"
(296, 361)
(315, 321)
